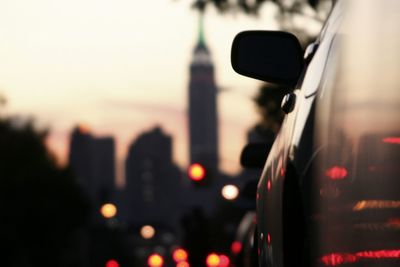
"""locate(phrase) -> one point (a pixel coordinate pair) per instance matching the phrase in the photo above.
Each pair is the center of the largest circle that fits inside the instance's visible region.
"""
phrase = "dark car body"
(243, 248)
(329, 194)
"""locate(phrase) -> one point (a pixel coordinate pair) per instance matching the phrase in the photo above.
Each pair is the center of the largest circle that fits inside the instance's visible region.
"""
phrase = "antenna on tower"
(200, 5)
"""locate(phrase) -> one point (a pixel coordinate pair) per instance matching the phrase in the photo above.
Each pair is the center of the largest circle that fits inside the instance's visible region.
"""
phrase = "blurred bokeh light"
(213, 260)
(147, 232)
(155, 260)
(230, 192)
(180, 255)
(108, 210)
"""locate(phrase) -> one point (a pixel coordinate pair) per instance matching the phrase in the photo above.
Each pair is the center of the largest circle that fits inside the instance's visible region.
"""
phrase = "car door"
(291, 148)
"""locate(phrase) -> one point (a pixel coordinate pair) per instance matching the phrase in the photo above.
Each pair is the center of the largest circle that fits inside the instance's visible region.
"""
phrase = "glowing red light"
(224, 261)
(213, 260)
(236, 247)
(336, 173)
(183, 264)
(269, 239)
(155, 260)
(196, 172)
(269, 185)
(335, 259)
(380, 254)
(112, 263)
(180, 255)
(392, 140)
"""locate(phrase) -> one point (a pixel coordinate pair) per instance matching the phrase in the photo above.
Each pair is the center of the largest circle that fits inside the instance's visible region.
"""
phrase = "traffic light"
(200, 174)
(197, 172)
(155, 260)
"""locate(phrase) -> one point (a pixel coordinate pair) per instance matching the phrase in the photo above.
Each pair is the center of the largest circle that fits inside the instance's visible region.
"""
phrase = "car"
(243, 248)
(329, 193)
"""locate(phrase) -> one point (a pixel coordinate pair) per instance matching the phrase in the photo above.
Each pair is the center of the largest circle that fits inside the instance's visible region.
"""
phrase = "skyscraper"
(153, 181)
(92, 159)
(203, 130)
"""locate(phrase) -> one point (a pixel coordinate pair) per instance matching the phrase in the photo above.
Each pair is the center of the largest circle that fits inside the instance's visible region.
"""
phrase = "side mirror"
(271, 56)
(253, 156)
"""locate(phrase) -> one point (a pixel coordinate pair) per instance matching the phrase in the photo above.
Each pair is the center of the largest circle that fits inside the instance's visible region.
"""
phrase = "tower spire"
(201, 40)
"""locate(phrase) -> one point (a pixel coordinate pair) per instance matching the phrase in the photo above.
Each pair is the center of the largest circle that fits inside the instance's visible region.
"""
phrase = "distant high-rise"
(203, 129)
(92, 159)
(153, 182)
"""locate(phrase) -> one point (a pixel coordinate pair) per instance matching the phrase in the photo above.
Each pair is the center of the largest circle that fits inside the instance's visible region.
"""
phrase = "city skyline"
(104, 64)
(92, 161)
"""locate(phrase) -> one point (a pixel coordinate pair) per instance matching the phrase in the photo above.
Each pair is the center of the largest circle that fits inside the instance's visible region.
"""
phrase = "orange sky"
(120, 67)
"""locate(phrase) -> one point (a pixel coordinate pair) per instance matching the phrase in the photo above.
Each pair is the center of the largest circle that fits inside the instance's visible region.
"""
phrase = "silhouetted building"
(203, 126)
(92, 159)
(153, 182)
(203, 129)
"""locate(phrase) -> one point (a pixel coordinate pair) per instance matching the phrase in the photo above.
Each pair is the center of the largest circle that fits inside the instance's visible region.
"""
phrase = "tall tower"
(203, 131)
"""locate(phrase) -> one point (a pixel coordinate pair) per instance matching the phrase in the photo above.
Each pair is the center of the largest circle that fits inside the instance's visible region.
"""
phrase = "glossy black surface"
(271, 56)
(254, 155)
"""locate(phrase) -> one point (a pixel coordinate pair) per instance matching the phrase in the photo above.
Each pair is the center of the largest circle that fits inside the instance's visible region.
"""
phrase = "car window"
(357, 132)
(358, 107)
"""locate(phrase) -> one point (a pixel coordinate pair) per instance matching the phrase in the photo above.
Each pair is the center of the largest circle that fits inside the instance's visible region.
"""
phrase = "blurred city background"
(121, 127)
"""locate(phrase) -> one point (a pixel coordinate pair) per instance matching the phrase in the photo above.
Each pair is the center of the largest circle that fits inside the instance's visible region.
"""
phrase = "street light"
(108, 210)
(230, 192)
(147, 232)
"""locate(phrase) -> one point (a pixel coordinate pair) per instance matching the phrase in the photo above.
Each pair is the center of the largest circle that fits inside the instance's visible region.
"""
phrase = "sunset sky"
(120, 67)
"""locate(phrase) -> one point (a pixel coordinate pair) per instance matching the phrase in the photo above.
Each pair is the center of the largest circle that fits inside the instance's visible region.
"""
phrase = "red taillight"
(182, 264)
(336, 173)
(236, 247)
(392, 140)
(180, 255)
(224, 261)
(112, 263)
